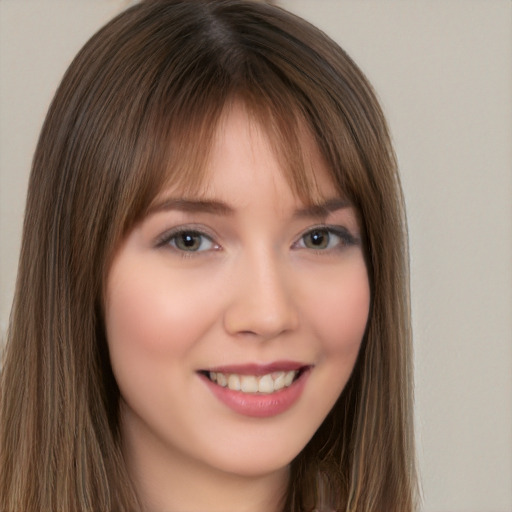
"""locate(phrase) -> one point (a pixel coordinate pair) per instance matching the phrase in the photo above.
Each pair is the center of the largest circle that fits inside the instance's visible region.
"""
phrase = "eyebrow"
(220, 208)
(192, 205)
(322, 209)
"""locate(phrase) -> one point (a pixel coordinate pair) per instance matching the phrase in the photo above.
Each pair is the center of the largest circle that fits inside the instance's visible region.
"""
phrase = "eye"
(325, 238)
(317, 239)
(188, 241)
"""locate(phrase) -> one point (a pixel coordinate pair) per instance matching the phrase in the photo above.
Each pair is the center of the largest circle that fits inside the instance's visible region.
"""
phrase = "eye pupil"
(188, 241)
(318, 239)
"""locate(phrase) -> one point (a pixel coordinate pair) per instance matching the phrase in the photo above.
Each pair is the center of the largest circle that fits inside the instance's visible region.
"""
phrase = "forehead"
(248, 152)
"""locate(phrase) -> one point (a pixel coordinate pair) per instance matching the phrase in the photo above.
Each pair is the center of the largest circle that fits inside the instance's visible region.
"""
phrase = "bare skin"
(241, 274)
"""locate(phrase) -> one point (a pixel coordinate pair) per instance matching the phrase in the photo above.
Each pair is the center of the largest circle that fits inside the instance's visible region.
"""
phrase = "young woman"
(211, 310)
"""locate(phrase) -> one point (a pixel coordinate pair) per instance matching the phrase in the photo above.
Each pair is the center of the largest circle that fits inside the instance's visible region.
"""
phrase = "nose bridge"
(262, 304)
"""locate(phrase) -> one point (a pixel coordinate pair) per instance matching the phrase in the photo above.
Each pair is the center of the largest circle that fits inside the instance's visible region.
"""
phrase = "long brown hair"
(139, 106)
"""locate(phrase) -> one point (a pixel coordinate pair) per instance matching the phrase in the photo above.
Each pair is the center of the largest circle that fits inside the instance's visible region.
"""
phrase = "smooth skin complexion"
(240, 274)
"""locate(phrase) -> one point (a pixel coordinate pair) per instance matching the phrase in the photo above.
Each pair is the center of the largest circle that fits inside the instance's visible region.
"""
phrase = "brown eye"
(326, 238)
(317, 239)
(190, 241)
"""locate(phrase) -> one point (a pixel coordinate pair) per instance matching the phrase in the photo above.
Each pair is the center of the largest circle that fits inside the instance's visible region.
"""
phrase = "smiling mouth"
(255, 384)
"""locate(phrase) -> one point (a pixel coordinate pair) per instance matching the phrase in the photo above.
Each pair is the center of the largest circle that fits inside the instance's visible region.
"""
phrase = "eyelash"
(345, 239)
(167, 238)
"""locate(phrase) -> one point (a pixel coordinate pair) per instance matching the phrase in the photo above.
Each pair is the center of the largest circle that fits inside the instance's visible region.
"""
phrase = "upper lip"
(258, 369)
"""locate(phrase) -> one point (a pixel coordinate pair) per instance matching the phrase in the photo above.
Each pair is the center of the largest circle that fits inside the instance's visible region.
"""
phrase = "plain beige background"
(443, 71)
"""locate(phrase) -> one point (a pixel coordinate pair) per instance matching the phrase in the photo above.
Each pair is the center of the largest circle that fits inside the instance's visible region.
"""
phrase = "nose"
(262, 305)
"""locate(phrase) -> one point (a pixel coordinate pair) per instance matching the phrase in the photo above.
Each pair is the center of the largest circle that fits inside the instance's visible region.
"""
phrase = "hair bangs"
(178, 135)
(174, 125)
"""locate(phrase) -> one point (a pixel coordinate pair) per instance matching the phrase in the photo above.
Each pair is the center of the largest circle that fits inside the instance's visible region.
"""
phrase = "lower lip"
(259, 405)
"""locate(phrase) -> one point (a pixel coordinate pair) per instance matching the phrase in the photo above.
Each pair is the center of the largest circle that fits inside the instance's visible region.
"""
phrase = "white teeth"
(233, 382)
(266, 384)
(221, 380)
(279, 381)
(288, 378)
(253, 384)
(248, 384)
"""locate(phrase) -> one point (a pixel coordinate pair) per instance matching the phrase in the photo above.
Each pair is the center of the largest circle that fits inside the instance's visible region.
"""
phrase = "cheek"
(338, 317)
(340, 312)
(152, 314)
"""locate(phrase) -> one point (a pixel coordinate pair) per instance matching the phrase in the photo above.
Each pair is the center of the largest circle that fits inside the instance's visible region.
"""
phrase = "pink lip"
(259, 369)
(259, 405)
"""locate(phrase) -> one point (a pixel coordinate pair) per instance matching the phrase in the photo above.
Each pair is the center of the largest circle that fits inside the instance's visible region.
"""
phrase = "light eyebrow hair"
(220, 208)
(322, 209)
(191, 205)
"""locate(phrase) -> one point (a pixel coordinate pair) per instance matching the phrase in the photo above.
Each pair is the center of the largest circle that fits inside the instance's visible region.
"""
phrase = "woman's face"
(241, 285)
